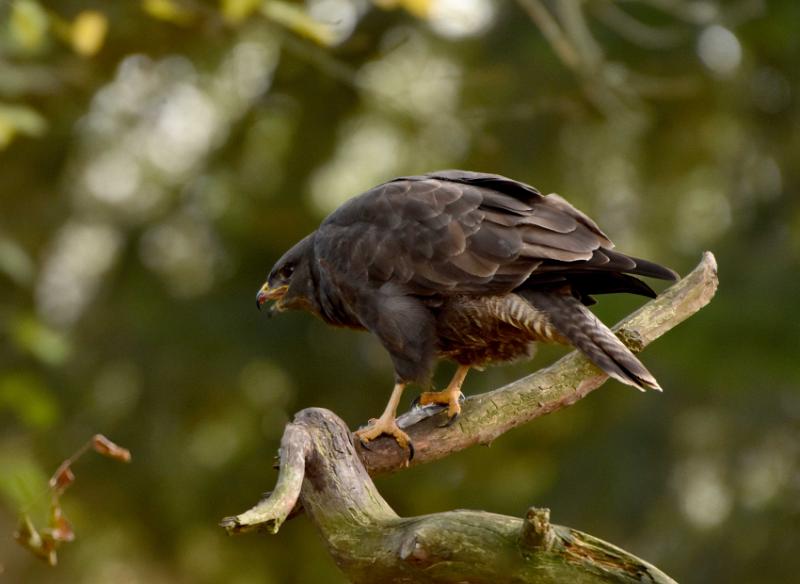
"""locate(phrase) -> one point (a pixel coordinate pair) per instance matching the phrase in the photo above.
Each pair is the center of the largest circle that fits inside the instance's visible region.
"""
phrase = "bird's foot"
(379, 427)
(451, 398)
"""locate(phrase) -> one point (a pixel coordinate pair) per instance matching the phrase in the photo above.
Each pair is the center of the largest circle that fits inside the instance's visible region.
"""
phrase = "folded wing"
(457, 232)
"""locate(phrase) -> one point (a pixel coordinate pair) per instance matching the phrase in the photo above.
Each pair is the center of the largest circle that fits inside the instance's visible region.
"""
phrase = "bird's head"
(290, 283)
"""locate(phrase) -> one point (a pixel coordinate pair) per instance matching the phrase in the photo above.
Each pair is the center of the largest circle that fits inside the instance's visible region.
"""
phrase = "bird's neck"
(332, 305)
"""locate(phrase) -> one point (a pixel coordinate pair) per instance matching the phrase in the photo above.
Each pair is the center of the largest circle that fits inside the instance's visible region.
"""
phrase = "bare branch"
(636, 31)
(577, 30)
(552, 32)
(269, 513)
(370, 543)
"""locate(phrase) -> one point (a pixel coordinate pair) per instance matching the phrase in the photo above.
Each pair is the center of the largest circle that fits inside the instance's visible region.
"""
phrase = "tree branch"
(277, 506)
(370, 543)
(323, 470)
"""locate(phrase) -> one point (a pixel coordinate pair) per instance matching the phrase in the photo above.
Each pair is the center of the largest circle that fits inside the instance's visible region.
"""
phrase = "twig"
(574, 23)
(552, 32)
(636, 31)
(44, 542)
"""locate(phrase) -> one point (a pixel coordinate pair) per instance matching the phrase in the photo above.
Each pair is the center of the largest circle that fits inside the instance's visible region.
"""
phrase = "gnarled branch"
(323, 470)
(371, 544)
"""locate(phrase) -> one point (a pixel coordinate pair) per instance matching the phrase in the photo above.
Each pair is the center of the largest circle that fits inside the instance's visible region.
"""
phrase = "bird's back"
(459, 232)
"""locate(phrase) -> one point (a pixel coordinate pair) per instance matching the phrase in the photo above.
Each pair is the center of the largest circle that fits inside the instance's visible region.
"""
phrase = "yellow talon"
(445, 397)
(383, 426)
(450, 396)
(387, 424)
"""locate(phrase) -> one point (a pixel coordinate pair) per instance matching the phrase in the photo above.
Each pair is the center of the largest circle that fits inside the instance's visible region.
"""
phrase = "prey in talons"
(450, 397)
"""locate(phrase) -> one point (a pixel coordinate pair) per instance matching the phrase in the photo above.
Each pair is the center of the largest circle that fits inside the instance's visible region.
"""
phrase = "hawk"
(471, 267)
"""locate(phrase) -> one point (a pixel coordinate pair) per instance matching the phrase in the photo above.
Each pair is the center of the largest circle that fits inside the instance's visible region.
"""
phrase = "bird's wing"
(457, 232)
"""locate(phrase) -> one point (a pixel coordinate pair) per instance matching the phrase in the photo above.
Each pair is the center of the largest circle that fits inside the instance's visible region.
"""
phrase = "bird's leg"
(449, 396)
(387, 424)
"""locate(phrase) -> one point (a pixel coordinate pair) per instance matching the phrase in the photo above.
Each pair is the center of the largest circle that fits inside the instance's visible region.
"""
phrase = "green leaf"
(237, 11)
(19, 119)
(298, 21)
(28, 25)
(44, 343)
(15, 262)
(88, 32)
(419, 8)
(22, 480)
(169, 11)
(29, 399)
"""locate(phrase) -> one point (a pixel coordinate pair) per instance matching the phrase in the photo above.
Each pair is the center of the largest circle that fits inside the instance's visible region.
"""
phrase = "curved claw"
(385, 427)
(436, 400)
(450, 421)
(409, 447)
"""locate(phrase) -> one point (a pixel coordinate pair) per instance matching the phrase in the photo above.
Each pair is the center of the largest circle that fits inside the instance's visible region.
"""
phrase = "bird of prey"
(472, 267)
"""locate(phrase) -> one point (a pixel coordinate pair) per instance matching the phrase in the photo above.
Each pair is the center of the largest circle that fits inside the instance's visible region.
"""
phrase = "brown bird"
(471, 267)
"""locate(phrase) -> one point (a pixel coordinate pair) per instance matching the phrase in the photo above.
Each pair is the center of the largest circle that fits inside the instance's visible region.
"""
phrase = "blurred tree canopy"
(156, 157)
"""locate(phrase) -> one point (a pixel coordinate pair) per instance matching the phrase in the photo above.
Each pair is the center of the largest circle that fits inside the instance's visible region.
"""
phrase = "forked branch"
(371, 544)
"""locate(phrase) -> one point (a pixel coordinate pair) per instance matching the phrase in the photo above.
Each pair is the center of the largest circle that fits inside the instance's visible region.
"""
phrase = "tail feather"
(586, 332)
(653, 270)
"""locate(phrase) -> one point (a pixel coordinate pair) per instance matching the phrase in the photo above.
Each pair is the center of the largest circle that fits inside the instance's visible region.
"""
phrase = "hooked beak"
(266, 294)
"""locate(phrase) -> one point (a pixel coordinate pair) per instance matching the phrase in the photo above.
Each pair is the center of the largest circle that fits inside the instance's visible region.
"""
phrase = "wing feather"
(457, 232)
(536, 251)
(475, 265)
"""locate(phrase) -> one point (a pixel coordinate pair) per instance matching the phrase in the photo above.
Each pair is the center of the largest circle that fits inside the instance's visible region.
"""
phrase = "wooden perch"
(322, 470)
(371, 544)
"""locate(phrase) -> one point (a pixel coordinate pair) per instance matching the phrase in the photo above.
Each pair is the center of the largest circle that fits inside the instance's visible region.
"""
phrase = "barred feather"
(586, 332)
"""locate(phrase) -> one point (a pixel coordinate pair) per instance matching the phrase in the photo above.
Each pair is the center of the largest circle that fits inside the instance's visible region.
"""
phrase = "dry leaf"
(60, 529)
(42, 546)
(63, 477)
(106, 447)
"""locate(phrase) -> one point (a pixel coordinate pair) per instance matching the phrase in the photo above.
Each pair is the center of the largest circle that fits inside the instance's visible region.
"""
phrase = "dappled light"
(79, 257)
(461, 18)
(719, 50)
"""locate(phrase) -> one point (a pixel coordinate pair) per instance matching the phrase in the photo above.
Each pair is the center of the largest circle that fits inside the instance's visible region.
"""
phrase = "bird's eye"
(287, 271)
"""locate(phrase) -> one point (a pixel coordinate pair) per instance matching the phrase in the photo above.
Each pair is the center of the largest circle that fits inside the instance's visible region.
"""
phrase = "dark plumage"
(463, 265)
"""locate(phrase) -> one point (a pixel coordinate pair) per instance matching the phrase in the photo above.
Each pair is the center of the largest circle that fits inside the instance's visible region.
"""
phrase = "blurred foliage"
(156, 157)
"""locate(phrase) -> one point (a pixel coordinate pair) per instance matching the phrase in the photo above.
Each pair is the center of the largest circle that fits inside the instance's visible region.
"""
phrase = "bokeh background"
(158, 156)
